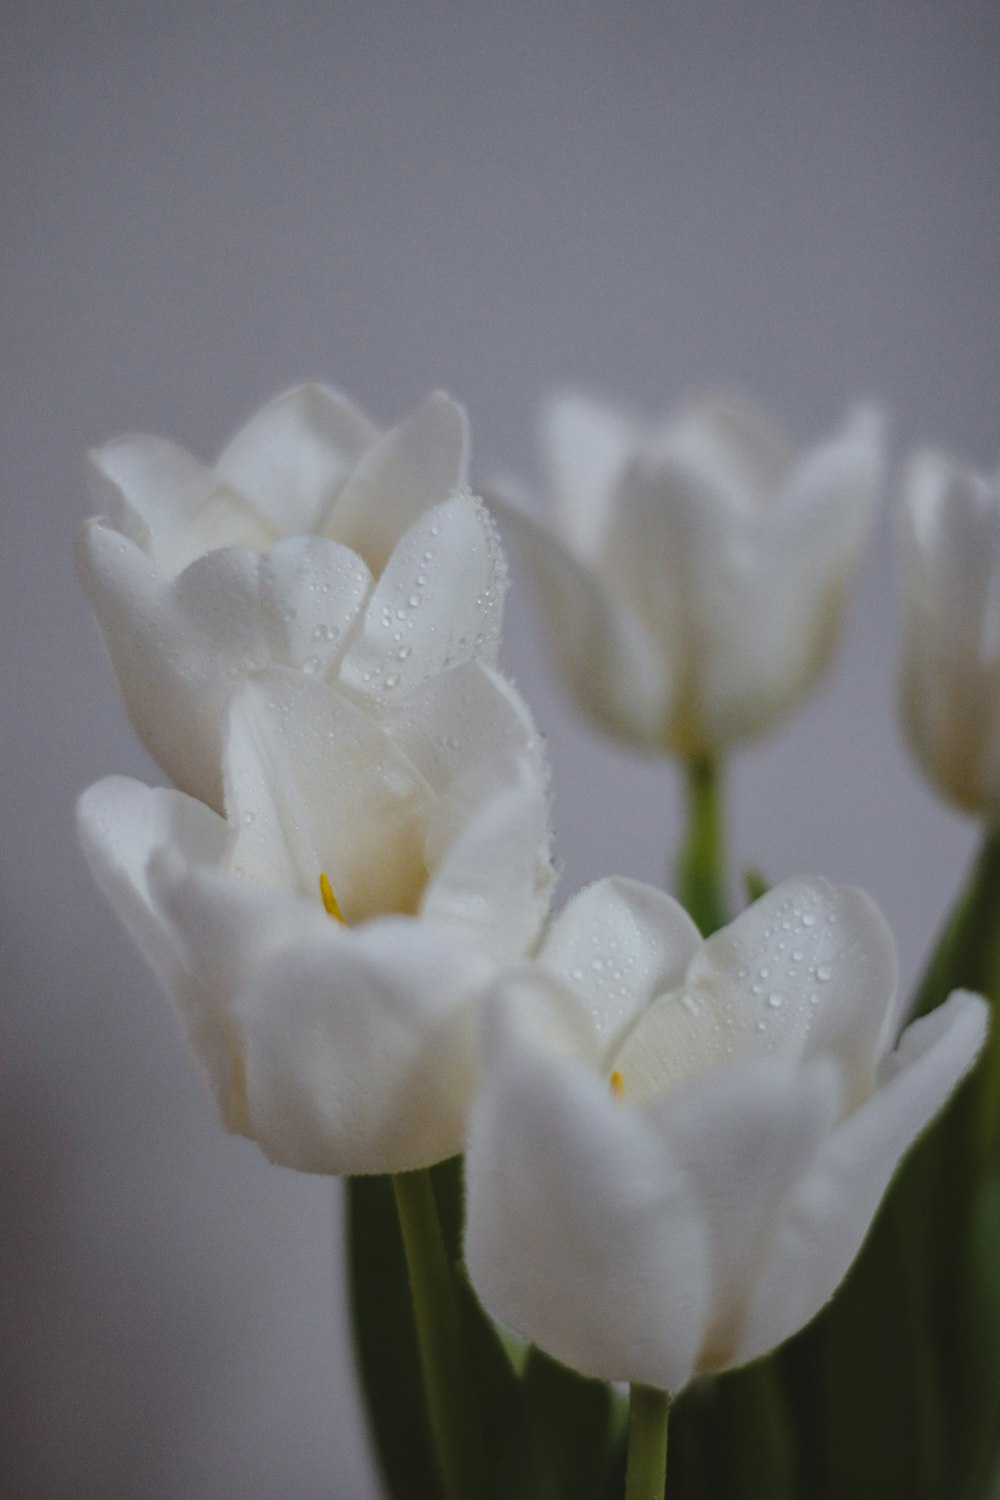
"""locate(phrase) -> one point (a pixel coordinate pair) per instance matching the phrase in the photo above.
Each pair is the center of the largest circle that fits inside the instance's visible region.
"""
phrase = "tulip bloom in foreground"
(313, 542)
(327, 942)
(679, 1145)
(695, 581)
(950, 542)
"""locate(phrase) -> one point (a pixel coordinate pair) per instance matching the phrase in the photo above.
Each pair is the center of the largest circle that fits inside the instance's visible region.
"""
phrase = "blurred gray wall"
(203, 203)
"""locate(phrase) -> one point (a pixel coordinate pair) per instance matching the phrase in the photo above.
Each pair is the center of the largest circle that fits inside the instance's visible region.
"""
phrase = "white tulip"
(313, 542)
(950, 544)
(695, 579)
(327, 942)
(679, 1145)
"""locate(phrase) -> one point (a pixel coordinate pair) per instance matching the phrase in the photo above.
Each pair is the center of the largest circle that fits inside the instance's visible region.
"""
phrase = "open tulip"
(679, 1145)
(695, 578)
(313, 542)
(950, 543)
(327, 942)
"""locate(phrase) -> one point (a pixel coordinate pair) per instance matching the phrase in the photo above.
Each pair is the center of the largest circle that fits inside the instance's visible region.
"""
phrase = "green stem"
(648, 1416)
(701, 879)
(435, 1312)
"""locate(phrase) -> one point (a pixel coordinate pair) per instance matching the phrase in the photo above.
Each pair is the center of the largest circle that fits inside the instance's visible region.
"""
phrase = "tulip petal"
(438, 602)
(587, 445)
(463, 720)
(121, 823)
(825, 1221)
(809, 969)
(173, 691)
(616, 670)
(170, 505)
(950, 690)
(292, 458)
(416, 465)
(488, 849)
(312, 591)
(745, 1135)
(619, 944)
(314, 785)
(729, 449)
(582, 1232)
(360, 1048)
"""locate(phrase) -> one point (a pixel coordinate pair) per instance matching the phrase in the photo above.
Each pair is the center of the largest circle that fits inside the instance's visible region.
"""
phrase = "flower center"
(330, 902)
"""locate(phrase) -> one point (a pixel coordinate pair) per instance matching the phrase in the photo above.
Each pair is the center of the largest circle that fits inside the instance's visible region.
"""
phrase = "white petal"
(745, 1135)
(809, 969)
(314, 785)
(169, 504)
(582, 1233)
(120, 824)
(439, 602)
(949, 537)
(618, 673)
(174, 686)
(292, 458)
(413, 467)
(361, 1048)
(587, 445)
(126, 829)
(729, 448)
(465, 720)
(826, 1219)
(488, 847)
(313, 591)
(619, 944)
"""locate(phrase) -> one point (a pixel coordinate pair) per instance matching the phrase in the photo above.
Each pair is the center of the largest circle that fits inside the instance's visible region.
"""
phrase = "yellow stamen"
(617, 1083)
(330, 901)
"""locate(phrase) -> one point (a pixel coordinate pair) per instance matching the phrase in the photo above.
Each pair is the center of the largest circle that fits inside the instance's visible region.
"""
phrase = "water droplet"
(808, 919)
(413, 600)
(823, 973)
(404, 652)
(775, 1000)
(311, 665)
(248, 818)
(798, 956)
(392, 680)
(690, 1004)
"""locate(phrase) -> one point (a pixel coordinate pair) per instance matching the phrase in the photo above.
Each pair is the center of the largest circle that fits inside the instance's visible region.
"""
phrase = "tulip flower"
(679, 1145)
(695, 575)
(950, 543)
(327, 941)
(313, 542)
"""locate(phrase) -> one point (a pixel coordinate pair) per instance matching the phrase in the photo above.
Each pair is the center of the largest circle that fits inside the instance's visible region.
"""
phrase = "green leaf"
(385, 1343)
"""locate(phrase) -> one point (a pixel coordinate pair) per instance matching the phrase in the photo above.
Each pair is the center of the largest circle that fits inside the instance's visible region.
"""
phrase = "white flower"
(326, 944)
(313, 542)
(679, 1145)
(950, 544)
(695, 581)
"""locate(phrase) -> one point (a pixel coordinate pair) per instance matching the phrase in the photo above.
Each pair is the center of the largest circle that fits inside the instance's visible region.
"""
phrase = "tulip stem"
(435, 1312)
(701, 875)
(648, 1416)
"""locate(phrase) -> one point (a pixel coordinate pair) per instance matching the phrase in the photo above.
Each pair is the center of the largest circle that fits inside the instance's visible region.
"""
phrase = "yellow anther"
(617, 1083)
(330, 901)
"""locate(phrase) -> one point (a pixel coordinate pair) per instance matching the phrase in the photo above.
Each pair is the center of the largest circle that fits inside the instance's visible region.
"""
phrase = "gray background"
(202, 204)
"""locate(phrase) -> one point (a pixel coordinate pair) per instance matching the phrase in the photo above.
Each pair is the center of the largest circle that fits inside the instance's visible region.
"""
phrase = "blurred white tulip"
(695, 575)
